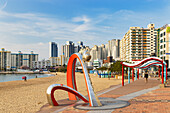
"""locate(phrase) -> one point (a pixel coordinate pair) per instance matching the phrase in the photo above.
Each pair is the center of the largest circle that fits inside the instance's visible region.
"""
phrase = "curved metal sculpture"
(71, 82)
(52, 88)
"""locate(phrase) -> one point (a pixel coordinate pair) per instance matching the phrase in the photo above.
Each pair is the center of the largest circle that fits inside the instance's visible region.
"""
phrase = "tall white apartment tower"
(164, 43)
(5, 59)
(138, 43)
(68, 49)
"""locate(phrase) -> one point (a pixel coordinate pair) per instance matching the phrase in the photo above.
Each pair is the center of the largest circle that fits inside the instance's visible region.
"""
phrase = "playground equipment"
(145, 64)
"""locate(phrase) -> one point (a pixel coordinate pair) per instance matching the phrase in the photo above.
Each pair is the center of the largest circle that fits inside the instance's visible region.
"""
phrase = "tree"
(116, 66)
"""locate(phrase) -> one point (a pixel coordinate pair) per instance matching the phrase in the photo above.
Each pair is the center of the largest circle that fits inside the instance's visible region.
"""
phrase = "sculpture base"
(107, 104)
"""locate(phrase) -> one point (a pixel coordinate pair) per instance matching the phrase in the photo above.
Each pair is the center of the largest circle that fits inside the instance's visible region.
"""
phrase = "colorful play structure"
(71, 87)
(145, 64)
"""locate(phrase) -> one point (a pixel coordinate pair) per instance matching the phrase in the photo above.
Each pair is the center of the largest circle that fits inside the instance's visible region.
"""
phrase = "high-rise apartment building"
(53, 49)
(41, 64)
(10, 60)
(164, 44)
(138, 43)
(19, 59)
(68, 49)
(5, 59)
(98, 52)
(59, 61)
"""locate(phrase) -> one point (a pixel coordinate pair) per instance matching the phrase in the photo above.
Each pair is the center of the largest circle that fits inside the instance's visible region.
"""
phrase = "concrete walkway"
(128, 92)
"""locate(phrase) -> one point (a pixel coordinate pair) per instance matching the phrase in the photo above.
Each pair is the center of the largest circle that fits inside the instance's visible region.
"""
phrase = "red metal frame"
(122, 75)
(138, 73)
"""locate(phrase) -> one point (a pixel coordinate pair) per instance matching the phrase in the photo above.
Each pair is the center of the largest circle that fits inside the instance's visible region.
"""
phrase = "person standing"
(146, 76)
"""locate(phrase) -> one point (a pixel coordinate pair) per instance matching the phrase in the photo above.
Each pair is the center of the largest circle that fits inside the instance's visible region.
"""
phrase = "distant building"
(5, 59)
(41, 64)
(14, 61)
(53, 49)
(97, 63)
(114, 48)
(20, 59)
(68, 49)
(58, 61)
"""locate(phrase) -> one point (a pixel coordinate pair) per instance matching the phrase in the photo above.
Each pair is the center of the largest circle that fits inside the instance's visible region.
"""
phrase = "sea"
(15, 77)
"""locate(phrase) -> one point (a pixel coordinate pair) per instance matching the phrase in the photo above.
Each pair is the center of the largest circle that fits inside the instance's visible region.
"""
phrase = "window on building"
(164, 45)
(161, 34)
(161, 47)
(164, 33)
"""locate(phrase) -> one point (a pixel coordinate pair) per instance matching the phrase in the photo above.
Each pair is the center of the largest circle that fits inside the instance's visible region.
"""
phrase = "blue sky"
(28, 25)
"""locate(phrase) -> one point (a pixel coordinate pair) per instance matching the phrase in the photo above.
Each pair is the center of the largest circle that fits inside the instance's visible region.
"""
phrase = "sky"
(29, 25)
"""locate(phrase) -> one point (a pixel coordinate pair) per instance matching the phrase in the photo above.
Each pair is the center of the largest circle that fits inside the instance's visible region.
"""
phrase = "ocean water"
(14, 77)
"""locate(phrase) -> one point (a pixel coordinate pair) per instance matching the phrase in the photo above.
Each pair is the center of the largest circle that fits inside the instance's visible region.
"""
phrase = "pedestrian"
(146, 76)
(25, 78)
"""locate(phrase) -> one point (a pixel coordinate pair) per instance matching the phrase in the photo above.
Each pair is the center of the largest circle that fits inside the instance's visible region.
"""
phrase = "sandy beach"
(30, 96)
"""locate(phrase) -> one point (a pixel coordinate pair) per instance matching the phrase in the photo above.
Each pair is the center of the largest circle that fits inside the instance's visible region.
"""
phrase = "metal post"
(166, 72)
(135, 74)
(132, 74)
(162, 73)
(129, 75)
(122, 75)
(138, 74)
(159, 71)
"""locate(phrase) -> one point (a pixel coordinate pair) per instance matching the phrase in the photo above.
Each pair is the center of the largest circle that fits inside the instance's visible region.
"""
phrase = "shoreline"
(30, 96)
(13, 72)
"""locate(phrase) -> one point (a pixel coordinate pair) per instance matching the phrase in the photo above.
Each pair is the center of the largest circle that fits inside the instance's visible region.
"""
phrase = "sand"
(30, 96)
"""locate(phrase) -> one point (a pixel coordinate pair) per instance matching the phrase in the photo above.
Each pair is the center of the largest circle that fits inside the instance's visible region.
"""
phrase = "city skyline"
(30, 25)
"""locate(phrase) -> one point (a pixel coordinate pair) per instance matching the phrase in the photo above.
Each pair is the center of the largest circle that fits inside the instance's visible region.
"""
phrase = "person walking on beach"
(146, 76)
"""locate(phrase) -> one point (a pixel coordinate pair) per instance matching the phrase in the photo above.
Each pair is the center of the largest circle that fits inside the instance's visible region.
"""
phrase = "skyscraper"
(113, 48)
(138, 43)
(53, 49)
(68, 49)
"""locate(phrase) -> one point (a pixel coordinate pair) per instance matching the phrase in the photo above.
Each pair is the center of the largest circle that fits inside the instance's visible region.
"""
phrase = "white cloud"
(22, 31)
(3, 4)
(86, 25)
(81, 19)
(32, 31)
